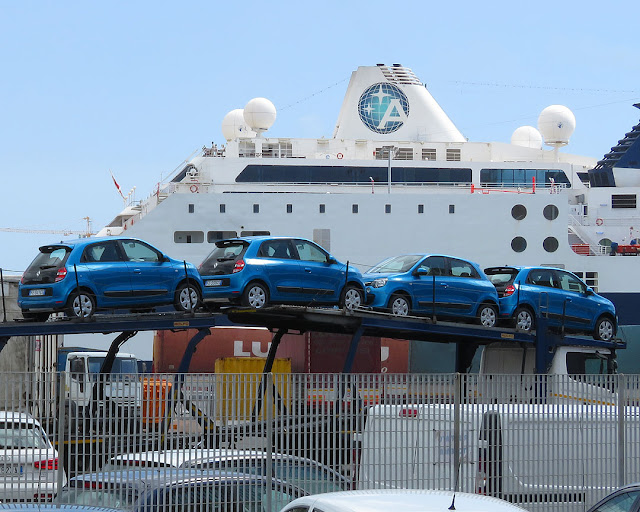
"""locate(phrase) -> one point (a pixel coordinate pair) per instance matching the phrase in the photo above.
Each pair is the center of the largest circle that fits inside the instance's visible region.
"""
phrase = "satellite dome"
(259, 114)
(527, 137)
(234, 126)
(556, 124)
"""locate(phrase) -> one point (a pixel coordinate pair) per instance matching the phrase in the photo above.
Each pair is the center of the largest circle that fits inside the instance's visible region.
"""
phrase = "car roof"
(259, 238)
(17, 416)
(79, 242)
(407, 499)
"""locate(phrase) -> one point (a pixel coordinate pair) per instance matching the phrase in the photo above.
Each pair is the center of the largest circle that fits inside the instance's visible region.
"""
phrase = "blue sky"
(136, 87)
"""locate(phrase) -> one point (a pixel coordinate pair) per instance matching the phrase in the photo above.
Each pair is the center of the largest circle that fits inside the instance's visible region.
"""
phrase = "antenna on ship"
(556, 124)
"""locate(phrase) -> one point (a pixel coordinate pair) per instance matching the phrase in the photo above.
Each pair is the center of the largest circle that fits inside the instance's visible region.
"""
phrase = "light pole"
(389, 149)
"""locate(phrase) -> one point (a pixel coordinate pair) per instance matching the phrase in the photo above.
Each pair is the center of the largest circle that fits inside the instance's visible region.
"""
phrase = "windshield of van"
(396, 264)
(121, 365)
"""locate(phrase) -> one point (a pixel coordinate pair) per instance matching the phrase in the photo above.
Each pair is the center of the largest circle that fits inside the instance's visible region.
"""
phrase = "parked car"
(625, 499)
(262, 270)
(432, 284)
(407, 500)
(50, 507)
(307, 474)
(28, 461)
(527, 292)
(88, 274)
(173, 489)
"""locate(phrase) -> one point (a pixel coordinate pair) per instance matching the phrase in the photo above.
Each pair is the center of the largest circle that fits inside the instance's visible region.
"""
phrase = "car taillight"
(509, 290)
(46, 464)
(93, 485)
(238, 266)
(61, 274)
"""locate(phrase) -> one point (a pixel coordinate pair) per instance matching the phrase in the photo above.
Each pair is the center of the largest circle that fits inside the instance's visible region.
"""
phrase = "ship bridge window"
(352, 174)
(214, 236)
(277, 150)
(429, 154)
(521, 177)
(453, 155)
(188, 237)
(247, 149)
(623, 201)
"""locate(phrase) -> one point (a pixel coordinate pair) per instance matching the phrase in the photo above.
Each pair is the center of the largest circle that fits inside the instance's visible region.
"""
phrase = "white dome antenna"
(235, 127)
(556, 124)
(527, 137)
(259, 114)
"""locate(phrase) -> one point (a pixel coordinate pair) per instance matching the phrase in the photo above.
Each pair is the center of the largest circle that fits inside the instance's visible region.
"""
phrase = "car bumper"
(49, 298)
(220, 289)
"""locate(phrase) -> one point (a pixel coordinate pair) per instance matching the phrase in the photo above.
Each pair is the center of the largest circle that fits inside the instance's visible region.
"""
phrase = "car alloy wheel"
(255, 296)
(399, 305)
(523, 319)
(187, 298)
(351, 297)
(604, 329)
(81, 305)
(487, 315)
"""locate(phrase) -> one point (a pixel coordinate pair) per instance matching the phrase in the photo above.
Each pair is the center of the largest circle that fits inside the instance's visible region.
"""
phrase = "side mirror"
(165, 258)
(331, 260)
(590, 291)
(420, 271)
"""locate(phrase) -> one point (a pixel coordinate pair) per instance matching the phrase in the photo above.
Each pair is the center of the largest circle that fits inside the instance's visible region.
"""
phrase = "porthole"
(550, 212)
(550, 244)
(605, 242)
(518, 244)
(519, 212)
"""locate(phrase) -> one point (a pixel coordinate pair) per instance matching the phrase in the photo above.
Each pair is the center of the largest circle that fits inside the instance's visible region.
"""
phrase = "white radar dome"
(234, 126)
(259, 114)
(527, 137)
(556, 124)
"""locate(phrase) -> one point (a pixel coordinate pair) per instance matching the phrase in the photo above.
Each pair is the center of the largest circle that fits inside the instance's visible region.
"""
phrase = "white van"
(543, 457)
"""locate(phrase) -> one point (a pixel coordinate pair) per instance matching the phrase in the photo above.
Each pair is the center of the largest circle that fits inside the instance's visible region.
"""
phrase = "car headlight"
(379, 283)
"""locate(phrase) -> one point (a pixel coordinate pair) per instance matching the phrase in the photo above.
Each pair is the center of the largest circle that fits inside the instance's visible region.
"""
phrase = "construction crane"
(82, 234)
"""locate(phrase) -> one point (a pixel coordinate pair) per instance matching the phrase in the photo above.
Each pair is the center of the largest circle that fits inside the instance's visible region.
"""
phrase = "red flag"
(116, 184)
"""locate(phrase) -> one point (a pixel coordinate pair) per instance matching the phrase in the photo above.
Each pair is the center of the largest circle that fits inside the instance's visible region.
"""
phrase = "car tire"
(187, 298)
(81, 304)
(523, 319)
(255, 295)
(35, 317)
(487, 315)
(399, 305)
(605, 329)
(352, 297)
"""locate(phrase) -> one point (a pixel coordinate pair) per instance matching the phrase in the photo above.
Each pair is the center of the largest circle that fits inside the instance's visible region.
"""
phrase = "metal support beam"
(268, 366)
(353, 347)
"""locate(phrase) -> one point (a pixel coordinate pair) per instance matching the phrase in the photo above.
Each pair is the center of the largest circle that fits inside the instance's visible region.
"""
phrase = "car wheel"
(35, 317)
(255, 295)
(605, 329)
(487, 315)
(523, 319)
(352, 297)
(187, 298)
(81, 304)
(399, 305)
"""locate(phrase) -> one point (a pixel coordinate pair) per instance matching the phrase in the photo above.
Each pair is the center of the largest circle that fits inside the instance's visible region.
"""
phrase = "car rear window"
(223, 258)
(501, 276)
(16, 435)
(44, 267)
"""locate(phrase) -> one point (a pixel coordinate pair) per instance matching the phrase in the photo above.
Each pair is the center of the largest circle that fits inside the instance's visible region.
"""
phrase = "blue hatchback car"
(257, 271)
(432, 284)
(84, 275)
(527, 292)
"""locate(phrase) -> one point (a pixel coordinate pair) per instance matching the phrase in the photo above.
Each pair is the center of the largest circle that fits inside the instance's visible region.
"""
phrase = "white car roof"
(176, 458)
(21, 417)
(407, 500)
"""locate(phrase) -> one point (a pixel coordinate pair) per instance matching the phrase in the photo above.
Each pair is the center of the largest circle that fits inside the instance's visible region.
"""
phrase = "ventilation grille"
(399, 74)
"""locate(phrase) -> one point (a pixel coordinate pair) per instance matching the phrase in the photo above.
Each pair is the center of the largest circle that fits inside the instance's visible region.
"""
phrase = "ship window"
(256, 208)
(403, 154)
(453, 155)
(420, 208)
(452, 208)
(255, 233)
(523, 178)
(519, 212)
(550, 244)
(518, 244)
(354, 208)
(191, 208)
(188, 237)
(387, 208)
(623, 201)
(322, 208)
(214, 236)
(223, 208)
(277, 150)
(429, 154)
(590, 279)
(605, 242)
(323, 238)
(550, 212)
(289, 208)
(247, 149)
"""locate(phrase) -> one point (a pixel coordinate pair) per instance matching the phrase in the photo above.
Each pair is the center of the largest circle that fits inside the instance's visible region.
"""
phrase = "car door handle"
(444, 285)
(137, 271)
(307, 269)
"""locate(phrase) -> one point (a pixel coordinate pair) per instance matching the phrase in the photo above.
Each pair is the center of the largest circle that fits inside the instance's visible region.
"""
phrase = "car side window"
(460, 268)
(137, 251)
(310, 252)
(620, 503)
(434, 266)
(102, 252)
(279, 249)
(541, 277)
(571, 283)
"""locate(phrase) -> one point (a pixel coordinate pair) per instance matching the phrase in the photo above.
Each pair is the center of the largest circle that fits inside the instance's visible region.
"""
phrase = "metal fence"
(149, 441)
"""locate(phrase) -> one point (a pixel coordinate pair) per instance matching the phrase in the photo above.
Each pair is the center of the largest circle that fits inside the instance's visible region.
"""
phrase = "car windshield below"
(109, 498)
(396, 264)
(15, 435)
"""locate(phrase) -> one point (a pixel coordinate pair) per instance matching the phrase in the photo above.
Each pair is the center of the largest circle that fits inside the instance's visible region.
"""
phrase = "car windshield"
(21, 435)
(396, 264)
(121, 366)
(109, 498)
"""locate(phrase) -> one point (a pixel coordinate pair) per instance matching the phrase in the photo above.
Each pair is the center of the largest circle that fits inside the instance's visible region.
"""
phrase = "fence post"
(622, 449)
(269, 406)
(60, 434)
(456, 429)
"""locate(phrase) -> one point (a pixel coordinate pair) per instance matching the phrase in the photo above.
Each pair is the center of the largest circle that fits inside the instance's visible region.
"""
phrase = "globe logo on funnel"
(383, 108)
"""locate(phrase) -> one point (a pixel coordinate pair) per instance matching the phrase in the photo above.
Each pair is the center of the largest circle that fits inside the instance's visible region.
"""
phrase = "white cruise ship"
(398, 176)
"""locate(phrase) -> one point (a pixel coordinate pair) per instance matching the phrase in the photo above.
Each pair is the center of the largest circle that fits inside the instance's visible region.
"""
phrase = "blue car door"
(428, 285)
(280, 268)
(322, 281)
(107, 272)
(541, 292)
(463, 288)
(152, 278)
(580, 310)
